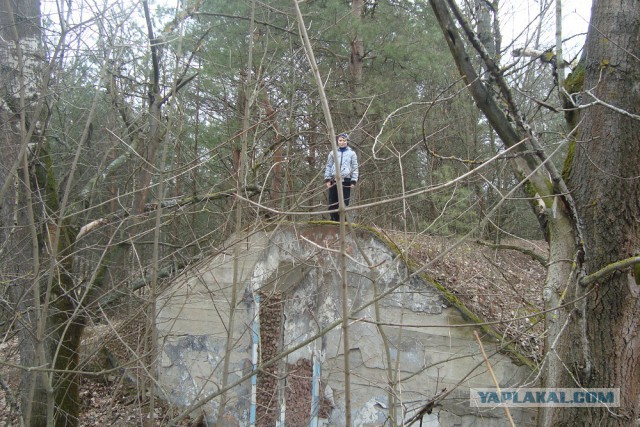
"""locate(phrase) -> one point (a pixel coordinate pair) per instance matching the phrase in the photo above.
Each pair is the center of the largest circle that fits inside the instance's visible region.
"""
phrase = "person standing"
(348, 166)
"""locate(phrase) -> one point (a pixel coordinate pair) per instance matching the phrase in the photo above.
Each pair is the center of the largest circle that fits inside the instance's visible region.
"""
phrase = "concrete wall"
(298, 264)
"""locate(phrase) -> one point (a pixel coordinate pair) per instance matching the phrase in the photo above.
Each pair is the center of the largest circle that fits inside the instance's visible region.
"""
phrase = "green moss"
(529, 190)
(568, 161)
(574, 83)
(548, 56)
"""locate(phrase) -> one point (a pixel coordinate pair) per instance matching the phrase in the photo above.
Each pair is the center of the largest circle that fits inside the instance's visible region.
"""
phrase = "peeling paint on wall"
(289, 267)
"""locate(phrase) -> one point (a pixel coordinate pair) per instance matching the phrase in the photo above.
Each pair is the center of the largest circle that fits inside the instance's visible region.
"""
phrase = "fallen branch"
(542, 260)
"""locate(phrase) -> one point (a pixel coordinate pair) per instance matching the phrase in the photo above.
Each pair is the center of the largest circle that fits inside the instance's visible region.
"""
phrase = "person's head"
(342, 140)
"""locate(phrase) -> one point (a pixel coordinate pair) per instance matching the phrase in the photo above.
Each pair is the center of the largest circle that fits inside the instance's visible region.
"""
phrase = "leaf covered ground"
(499, 283)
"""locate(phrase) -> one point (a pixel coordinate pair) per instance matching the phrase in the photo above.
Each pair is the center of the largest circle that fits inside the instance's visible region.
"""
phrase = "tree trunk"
(357, 48)
(49, 327)
(19, 45)
(603, 178)
(592, 341)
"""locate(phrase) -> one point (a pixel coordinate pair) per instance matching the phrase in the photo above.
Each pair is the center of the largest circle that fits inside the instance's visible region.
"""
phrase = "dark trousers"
(333, 197)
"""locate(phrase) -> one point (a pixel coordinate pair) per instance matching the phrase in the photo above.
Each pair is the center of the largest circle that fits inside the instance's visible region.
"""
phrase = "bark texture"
(35, 246)
(604, 178)
(592, 337)
(19, 46)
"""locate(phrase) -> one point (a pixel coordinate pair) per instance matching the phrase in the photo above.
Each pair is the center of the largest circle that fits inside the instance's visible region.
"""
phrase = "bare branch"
(542, 260)
(166, 204)
(609, 269)
(493, 375)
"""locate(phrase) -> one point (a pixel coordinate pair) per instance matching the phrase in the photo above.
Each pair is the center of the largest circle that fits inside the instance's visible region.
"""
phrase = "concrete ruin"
(289, 301)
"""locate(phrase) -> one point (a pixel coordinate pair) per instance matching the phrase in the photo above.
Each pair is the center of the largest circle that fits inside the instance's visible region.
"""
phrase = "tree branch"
(166, 204)
(609, 269)
(542, 260)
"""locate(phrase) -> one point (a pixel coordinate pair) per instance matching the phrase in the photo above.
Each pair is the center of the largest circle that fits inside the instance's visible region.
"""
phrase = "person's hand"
(328, 183)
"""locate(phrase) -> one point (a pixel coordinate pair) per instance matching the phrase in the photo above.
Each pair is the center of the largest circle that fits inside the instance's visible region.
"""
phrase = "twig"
(493, 376)
(427, 408)
(325, 248)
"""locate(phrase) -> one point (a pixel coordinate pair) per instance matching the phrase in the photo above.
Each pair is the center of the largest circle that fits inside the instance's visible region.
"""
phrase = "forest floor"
(498, 285)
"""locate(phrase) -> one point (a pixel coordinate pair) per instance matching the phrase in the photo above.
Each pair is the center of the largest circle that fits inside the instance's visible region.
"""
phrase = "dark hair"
(342, 135)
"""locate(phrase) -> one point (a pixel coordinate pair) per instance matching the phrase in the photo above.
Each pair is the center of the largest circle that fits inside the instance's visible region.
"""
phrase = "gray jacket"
(348, 161)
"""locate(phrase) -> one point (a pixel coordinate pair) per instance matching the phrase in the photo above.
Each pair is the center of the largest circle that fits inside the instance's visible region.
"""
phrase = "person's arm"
(327, 170)
(354, 169)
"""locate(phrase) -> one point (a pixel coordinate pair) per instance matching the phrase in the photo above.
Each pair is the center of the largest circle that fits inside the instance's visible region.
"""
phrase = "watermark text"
(536, 397)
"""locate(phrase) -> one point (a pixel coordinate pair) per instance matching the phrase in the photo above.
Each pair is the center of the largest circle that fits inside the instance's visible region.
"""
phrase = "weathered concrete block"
(405, 341)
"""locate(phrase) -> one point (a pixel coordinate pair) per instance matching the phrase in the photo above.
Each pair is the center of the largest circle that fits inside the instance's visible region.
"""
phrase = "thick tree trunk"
(592, 337)
(604, 178)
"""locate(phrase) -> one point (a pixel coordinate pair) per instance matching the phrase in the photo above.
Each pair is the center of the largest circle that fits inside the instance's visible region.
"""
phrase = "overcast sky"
(517, 18)
(515, 15)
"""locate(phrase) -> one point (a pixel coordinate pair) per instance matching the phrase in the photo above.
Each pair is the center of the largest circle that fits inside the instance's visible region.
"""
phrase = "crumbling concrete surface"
(406, 342)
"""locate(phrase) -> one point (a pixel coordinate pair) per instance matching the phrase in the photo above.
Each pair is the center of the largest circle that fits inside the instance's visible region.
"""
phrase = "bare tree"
(42, 288)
